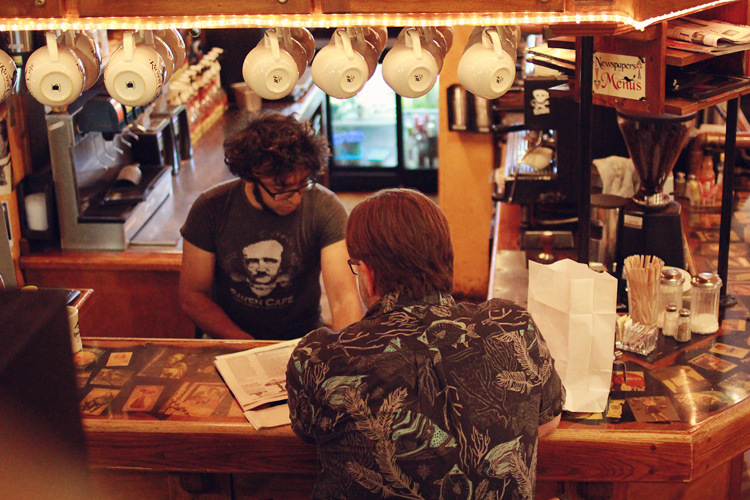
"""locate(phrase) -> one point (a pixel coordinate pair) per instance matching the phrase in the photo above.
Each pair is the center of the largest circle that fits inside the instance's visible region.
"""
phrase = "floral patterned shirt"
(425, 399)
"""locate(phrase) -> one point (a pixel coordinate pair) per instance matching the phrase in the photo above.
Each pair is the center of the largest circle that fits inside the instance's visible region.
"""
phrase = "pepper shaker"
(683, 326)
(671, 318)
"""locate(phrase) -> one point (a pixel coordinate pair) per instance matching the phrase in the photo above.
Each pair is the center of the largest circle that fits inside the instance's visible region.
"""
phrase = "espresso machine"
(92, 144)
(649, 223)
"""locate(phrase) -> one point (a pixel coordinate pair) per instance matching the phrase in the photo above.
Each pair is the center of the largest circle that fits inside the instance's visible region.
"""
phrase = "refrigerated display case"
(380, 139)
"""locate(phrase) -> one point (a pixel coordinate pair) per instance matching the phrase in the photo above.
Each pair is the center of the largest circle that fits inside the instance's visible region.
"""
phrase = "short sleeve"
(331, 218)
(199, 228)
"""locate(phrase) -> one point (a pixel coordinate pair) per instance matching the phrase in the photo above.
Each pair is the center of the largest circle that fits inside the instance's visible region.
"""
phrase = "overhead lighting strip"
(336, 20)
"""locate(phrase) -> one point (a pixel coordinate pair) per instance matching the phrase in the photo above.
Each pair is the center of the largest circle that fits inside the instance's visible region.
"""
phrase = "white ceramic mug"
(270, 71)
(305, 38)
(176, 44)
(365, 48)
(378, 36)
(87, 50)
(447, 32)
(338, 69)
(165, 52)
(54, 75)
(294, 48)
(485, 69)
(135, 73)
(8, 75)
(408, 69)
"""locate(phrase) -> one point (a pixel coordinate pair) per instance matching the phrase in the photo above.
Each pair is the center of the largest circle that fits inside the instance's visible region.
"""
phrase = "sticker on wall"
(620, 76)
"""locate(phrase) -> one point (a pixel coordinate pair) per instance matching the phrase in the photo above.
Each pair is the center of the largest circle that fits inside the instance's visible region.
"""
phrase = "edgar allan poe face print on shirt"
(262, 267)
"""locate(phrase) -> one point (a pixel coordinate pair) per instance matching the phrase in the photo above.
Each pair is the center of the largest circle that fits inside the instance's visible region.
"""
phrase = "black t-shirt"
(267, 276)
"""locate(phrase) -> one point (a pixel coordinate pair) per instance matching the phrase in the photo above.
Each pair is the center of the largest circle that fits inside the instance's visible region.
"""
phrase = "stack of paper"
(257, 377)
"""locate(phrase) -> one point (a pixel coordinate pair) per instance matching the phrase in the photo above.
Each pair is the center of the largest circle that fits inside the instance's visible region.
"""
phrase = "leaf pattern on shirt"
(425, 399)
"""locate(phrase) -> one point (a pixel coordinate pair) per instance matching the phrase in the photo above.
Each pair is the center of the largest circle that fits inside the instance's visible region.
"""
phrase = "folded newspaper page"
(257, 376)
(269, 417)
(709, 33)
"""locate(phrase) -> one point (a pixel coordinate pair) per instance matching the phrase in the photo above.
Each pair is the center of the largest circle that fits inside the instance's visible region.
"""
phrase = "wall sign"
(620, 76)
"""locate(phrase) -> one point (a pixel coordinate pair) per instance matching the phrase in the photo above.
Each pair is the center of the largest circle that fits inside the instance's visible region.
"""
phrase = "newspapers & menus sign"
(620, 76)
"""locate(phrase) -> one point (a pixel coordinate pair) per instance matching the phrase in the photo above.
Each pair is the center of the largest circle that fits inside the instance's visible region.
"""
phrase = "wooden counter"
(699, 456)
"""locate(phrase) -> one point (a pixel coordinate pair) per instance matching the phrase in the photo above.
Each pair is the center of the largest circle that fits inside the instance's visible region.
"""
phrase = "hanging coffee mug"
(270, 71)
(338, 69)
(54, 75)
(408, 68)
(135, 73)
(164, 51)
(176, 44)
(486, 69)
(87, 51)
(8, 75)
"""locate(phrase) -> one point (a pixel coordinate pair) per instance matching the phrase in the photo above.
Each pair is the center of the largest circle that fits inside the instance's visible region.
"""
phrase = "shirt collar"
(393, 300)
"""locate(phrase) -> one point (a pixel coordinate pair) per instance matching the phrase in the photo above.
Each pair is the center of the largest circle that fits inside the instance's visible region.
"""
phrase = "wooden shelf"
(683, 107)
(676, 57)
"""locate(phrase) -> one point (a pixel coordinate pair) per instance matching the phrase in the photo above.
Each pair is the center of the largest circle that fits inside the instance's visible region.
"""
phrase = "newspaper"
(257, 377)
(722, 48)
(709, 33)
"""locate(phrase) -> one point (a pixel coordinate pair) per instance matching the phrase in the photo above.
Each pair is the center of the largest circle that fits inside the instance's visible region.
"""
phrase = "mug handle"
(70, 38)
(273, 41)
(345, 41)
(148, 38)
(286, 34)
(498, 46)
(52, 47)
(415, 42)
(128, 46)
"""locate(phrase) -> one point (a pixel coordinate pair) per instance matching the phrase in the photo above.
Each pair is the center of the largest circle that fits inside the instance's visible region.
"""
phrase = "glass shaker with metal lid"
(704, 303)
(670, 292)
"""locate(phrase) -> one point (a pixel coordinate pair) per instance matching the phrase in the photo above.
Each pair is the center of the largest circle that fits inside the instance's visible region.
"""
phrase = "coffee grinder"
(649, 224)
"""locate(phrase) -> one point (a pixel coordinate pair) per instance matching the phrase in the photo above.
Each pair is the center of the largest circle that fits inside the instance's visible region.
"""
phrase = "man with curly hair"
(254, 248)
(424, 398)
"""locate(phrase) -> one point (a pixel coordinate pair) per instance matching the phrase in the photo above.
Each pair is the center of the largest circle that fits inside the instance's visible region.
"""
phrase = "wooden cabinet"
(651, 46)
(32, 8)
(480, 6)
(104, 8)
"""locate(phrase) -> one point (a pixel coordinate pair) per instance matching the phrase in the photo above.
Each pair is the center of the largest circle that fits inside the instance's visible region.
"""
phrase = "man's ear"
(369, 278)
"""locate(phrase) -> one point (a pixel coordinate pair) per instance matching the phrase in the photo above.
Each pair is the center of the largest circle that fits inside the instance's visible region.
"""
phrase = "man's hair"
(275, 145)
(404, 237)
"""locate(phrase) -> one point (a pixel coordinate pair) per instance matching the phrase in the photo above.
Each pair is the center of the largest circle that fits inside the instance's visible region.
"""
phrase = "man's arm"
(196, 280)
(550, 426)
(341, 286)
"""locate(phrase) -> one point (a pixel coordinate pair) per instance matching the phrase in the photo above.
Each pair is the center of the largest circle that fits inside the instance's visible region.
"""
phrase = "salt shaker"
(683, 325)
(670, 292)
(704, 303)
(671, 318)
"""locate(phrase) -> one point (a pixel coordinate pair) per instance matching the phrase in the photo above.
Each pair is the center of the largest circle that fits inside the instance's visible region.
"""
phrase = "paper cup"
(75, 332)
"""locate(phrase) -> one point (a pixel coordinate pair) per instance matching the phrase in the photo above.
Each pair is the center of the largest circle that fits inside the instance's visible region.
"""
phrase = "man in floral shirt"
(424, 398)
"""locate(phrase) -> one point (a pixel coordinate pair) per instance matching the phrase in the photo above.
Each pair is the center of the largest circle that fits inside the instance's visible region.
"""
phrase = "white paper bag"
(575, 308)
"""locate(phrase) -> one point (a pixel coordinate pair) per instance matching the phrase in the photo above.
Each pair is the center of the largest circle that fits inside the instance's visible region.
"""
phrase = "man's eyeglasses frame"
(352, 263)
(285, 195)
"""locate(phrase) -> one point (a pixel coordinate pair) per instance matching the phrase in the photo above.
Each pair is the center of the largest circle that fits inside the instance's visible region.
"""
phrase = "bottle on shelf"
(707, 179)
(719, 187)
(693, 191)
(680, 185)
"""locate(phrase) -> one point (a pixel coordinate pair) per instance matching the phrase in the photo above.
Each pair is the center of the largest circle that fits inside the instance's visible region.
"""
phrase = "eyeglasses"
(285, 195)
(352, 263)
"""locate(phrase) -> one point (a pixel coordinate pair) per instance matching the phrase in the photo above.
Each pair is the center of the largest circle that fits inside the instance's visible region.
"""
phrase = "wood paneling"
(28, 8)
(129, 303)
(105, 8)
(367, 6)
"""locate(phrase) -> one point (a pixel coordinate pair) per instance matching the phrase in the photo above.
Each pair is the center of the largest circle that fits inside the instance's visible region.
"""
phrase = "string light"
(332, 20)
